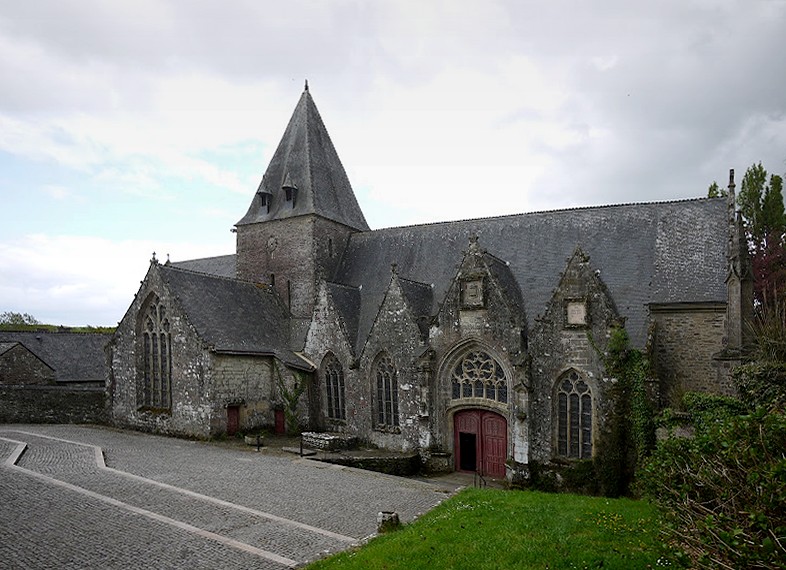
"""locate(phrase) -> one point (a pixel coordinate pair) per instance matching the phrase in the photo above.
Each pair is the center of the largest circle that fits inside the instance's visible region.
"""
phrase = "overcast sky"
(128, 127)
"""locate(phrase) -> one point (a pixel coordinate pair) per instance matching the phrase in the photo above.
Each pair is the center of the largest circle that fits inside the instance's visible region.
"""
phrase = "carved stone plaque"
(577, 313)
(472, 293)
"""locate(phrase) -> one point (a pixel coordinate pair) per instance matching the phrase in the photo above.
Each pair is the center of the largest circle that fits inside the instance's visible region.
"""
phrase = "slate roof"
(306, 159)
(221, 265)
(75, 357)
(6, 346)
(346, 300)
(659, 252)
(231, 315)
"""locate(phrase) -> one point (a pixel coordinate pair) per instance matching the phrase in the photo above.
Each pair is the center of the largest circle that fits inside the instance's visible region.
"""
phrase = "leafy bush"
(629, 433)
(762, 384)
(723, 492)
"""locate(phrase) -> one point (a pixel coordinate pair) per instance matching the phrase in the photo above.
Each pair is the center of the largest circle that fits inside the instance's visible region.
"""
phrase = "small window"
(330, 247)
(157, 357)
(272, 279)
(264, 201)
(387, 392)
(333, 374)
(574, 417)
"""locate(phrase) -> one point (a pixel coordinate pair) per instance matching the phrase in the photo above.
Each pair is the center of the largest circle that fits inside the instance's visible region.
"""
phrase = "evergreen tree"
(762, 209)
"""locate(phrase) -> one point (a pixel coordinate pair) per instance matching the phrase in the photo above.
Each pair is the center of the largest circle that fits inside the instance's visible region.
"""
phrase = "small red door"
(480, 442)
(281, 426)
(233, 419)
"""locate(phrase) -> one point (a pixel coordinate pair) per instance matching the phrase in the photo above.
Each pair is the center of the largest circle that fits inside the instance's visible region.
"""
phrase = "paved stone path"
(88, 497)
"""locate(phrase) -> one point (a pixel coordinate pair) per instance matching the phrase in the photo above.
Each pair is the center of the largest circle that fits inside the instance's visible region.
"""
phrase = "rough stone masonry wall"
(325, 335)
(20, 366)
(396, 333)
(192, 411)
(558, 346)
(496, 327)
(685, 342)
(52, 404)
(249, 383)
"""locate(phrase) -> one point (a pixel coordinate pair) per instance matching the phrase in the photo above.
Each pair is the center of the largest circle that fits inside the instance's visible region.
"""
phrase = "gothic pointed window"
(479, 375)
(333, 375)
(384, 373)
(157, 356)
(574, 417)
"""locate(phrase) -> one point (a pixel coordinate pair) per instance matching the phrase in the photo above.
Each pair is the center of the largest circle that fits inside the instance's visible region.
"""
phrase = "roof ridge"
(214, 276)
(202, 258)
(414, 282)
(551, 211)
(355, 287)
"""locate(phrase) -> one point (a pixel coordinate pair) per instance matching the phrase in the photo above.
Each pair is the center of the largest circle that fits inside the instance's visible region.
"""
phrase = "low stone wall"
(324, 441)
(402, 465)
(53, 404)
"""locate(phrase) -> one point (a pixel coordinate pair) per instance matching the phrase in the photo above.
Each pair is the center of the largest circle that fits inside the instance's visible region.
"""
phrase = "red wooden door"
(233, 419)
(281, 426)
(480, 442)
(495, 444)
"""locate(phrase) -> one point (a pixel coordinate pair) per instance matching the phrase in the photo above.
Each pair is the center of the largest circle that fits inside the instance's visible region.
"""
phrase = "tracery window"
(574, 417)
(387, 391)
(333, 373)
(157, 360)
(478, 375)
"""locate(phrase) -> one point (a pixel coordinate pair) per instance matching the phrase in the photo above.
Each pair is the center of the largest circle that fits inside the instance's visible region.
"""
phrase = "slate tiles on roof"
(232, 316)
(6, 346)
(500, 269)
(347, 302)
(420, 300)
(644, 253)
(221, 265)
(75, 357)
(306, 159)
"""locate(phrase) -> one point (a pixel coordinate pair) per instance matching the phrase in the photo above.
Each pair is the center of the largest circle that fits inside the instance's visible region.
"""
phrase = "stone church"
(474, 342)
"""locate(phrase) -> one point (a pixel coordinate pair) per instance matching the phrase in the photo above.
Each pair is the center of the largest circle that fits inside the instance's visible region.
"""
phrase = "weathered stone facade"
(20, 366)
(52, 377)
(53, 404)
(476, 344)
(686, 340)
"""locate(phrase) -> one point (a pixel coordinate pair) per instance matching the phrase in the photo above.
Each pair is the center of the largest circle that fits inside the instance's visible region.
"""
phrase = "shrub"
(723, 492)
(762, 384)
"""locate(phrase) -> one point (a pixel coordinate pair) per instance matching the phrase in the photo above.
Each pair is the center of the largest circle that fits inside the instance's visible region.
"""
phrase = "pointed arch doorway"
(480, 442)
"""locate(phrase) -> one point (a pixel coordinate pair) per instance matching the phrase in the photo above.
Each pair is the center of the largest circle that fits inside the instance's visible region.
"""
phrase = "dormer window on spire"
(290, 190)
(265, 199)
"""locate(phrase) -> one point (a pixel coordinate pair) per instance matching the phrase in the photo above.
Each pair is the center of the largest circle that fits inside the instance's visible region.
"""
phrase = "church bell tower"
(300, 217)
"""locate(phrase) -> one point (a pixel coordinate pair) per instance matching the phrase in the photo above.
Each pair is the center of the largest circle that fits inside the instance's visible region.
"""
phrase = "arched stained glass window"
(333, 374)
(387, 391)
(574, 417)
(478, 375)
(157, 351)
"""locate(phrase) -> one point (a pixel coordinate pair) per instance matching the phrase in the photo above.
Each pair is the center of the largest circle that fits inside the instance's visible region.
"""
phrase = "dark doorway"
(468, 452)
(281, 424)
(480, 442)
(233, 419)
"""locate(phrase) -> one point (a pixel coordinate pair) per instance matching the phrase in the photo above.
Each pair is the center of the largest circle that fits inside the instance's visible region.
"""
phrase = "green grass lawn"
(486, 528)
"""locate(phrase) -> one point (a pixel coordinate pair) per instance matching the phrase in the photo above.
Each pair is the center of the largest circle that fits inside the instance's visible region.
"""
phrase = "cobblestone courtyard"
(88, 497)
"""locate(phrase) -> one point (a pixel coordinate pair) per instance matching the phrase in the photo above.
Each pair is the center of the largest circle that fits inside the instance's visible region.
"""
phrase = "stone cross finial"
(154, 260)
(306, 88)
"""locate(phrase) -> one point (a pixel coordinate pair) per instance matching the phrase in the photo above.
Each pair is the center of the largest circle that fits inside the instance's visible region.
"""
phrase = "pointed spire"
(306, 160)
